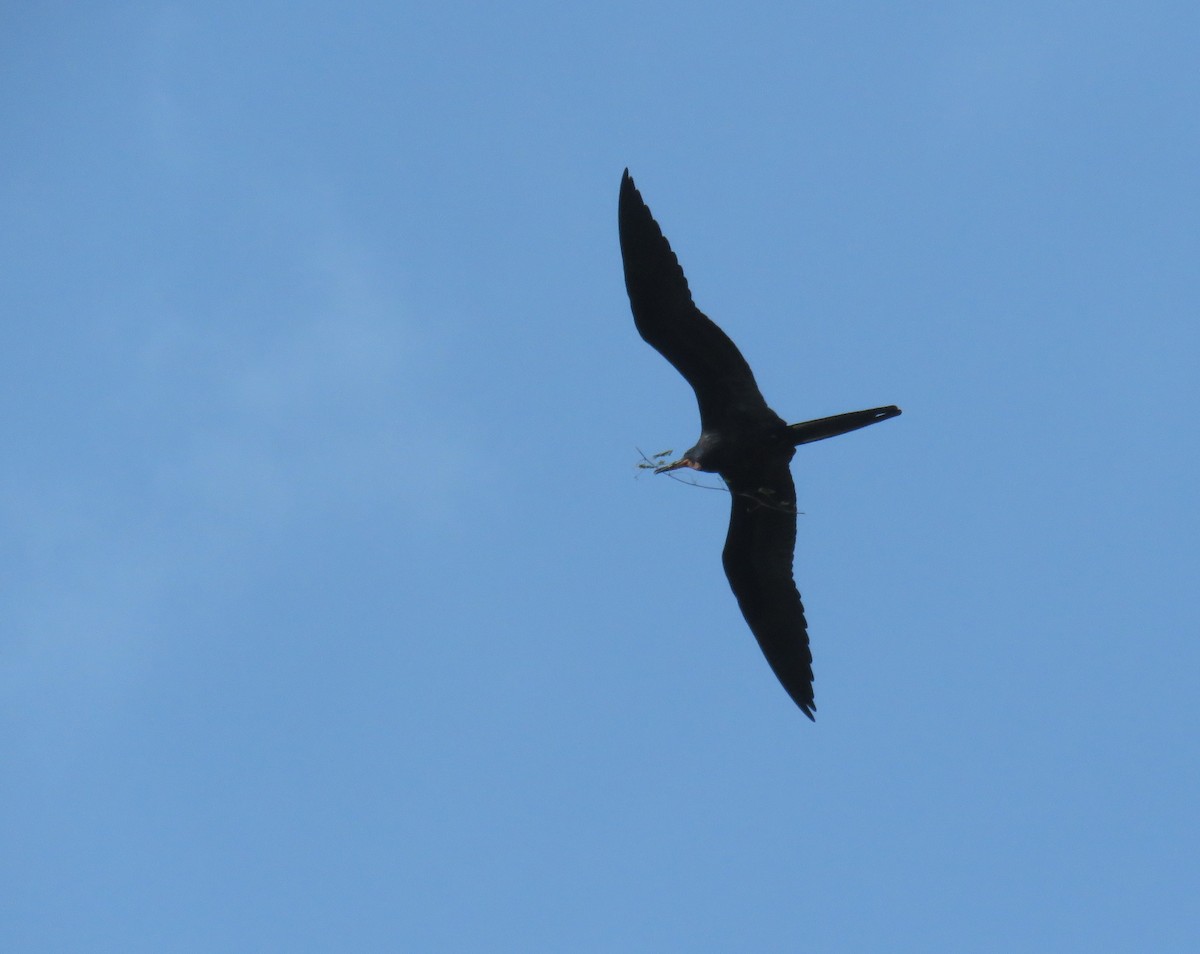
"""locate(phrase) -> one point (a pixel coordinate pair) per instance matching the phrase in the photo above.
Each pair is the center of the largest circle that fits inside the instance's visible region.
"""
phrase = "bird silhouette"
(741, 439)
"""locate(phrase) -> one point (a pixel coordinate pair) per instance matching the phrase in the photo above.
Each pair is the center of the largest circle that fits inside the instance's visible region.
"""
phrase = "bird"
(741, 439)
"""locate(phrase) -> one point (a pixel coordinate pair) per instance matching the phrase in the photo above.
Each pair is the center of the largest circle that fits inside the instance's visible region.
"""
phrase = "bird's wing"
(671, 323)
(758, 561)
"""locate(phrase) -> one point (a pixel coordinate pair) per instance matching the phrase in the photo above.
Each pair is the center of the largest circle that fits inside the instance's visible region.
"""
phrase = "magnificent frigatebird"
(741, 439)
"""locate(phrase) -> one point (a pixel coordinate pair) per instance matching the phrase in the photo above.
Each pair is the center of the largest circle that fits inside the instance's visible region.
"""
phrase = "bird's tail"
(824, 427)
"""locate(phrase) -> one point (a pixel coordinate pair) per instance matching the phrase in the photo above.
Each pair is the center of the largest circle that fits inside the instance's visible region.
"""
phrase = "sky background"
(334, 613)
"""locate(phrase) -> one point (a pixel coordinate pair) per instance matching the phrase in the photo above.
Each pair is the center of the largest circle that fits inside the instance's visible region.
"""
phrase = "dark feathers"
(741, 438)
(758, 562)
(669, 321)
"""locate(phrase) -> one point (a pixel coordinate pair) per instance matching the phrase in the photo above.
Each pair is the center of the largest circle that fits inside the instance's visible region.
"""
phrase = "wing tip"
(630, 198)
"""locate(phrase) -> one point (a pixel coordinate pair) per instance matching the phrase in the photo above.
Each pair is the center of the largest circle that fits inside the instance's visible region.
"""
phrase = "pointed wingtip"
(632, 207)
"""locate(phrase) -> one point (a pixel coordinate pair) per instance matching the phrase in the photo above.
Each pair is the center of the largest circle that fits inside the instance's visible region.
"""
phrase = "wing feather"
(669, 321)
(758, 562)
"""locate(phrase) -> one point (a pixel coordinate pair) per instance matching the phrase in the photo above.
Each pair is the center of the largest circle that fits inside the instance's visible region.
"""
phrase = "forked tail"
(824, 427)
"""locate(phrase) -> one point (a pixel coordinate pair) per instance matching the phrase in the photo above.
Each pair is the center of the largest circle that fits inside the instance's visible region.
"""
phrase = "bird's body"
(741, 439)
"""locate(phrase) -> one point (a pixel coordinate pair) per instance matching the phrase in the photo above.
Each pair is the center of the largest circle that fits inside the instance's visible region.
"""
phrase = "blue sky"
(334, 614)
